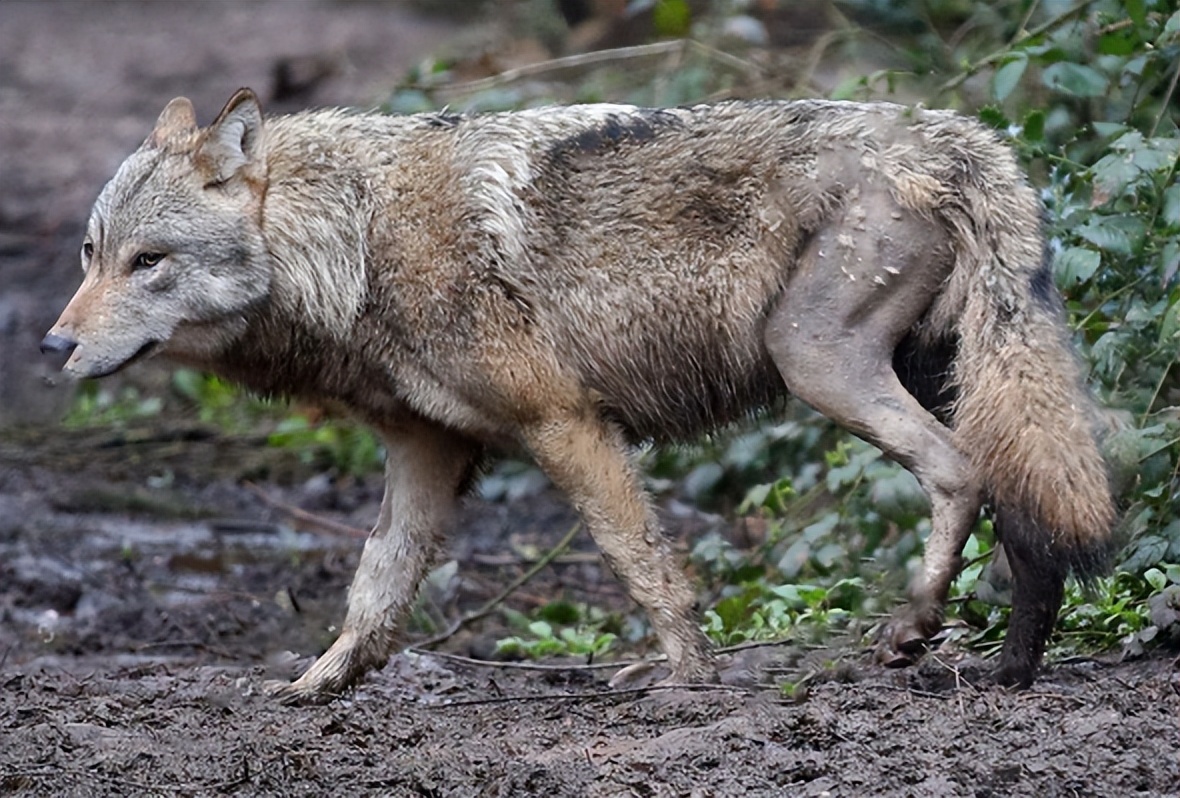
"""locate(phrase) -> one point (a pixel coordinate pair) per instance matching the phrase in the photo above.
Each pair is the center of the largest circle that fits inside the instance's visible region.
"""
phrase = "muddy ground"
(147, 591)
(153, 577)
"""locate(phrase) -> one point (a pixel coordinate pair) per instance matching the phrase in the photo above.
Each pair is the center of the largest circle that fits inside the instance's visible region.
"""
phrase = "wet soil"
(152, 579)
(148, 590)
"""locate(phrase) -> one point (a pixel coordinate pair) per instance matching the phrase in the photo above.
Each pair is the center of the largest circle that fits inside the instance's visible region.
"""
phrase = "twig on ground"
(531, 666)
(193, 643)
(786, 641)
(587, 666)
(591, 696)
(490, 605)
(901, 688)
(307, 519)
(501, 560)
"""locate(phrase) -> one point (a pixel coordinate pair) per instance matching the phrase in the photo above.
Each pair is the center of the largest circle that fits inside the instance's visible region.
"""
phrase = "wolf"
(573, 280)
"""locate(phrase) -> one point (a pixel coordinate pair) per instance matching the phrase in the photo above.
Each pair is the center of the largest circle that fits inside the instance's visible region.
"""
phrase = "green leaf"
(1075, 265)
(1170, 324)
(409, 101)
(1155, 577)
(733, 610)
(1156, 154)
(1171, 28)
(849, 88)
(1136, 11)
(794, 558)
(1008, 76)
(1034, 126)
(1147, 552)
(1075, 79)
(541, 629)
(1109, 129)
(1120, 235)
(821, 528)
(993, 117)
(515, 618)
(1114, 172)
(560, 612)
(672, 17)
(189, 383)
(1169, 261)
(1170, 212)
(1119, 42)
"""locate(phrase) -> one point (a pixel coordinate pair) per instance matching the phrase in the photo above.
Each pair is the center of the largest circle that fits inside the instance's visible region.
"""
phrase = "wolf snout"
(54, 344)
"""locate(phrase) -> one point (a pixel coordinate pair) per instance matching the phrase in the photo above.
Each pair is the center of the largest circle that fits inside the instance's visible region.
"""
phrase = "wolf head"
(174, 257)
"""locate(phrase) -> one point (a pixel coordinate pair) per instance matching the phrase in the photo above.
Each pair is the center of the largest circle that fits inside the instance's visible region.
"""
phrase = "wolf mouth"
(144, 351)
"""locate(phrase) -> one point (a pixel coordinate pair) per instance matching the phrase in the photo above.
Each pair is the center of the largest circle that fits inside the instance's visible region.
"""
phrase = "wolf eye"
(146, 260)
(87, 250)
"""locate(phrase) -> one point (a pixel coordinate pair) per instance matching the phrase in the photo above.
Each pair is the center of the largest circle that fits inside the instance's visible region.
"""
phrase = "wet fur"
(574, 279)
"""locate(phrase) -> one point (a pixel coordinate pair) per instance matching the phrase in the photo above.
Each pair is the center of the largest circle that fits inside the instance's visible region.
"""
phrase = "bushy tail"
(1022, 414)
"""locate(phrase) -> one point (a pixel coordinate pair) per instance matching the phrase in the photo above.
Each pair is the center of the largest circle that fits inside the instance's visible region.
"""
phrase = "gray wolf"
(572, 280)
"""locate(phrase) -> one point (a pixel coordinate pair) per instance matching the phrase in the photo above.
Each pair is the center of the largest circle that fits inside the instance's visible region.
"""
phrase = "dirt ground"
(147, 592)
(151, 579)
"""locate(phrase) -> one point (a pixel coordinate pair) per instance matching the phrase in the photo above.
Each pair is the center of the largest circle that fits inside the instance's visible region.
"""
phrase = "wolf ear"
(176, 119)
(233, 143)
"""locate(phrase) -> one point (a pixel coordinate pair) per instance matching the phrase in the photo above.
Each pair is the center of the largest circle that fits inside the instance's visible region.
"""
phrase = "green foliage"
(759, 610)
(346, 447)
(219, 403)
(672, 17)
(1134, 610)
(1107, 152)
(560, 628)
(95, 405)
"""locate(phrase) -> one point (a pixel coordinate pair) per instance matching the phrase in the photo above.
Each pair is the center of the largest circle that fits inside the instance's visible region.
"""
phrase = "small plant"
(96, 406)
(560, 629)
(221, 404)
(1131, 611)
(349, 448)
(758, 611)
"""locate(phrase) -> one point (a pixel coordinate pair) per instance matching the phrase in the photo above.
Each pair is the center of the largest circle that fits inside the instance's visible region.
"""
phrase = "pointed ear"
(177, 118)
(233, 143)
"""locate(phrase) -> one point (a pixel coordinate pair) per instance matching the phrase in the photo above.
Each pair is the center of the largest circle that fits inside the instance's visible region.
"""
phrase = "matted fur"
(571, 278)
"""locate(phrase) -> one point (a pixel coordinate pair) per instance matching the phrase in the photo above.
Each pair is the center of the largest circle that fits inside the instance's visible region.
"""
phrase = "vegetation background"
(1086, 93)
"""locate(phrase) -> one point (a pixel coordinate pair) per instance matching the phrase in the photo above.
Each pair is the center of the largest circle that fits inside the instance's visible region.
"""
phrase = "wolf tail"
(1022, 413)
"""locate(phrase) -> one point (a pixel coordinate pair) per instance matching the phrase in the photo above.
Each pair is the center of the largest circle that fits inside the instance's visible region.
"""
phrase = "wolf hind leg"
(1038, 587)
(425, 470)
(851, 300)
(587, 458)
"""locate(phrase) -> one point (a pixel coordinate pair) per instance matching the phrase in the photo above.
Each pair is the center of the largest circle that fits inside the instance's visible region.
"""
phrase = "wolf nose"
(57, 344)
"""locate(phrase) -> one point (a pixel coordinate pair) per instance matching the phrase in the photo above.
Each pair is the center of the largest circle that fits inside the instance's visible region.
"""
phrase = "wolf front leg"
(425, 469)
(587, 458)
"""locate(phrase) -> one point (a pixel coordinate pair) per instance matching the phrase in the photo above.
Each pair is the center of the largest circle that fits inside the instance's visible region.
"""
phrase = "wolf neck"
(315, 218)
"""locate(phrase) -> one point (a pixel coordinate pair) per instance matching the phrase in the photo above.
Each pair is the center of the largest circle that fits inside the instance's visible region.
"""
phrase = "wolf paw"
(327, 679)
(906, 638)
(698, 673)
(293, 694)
